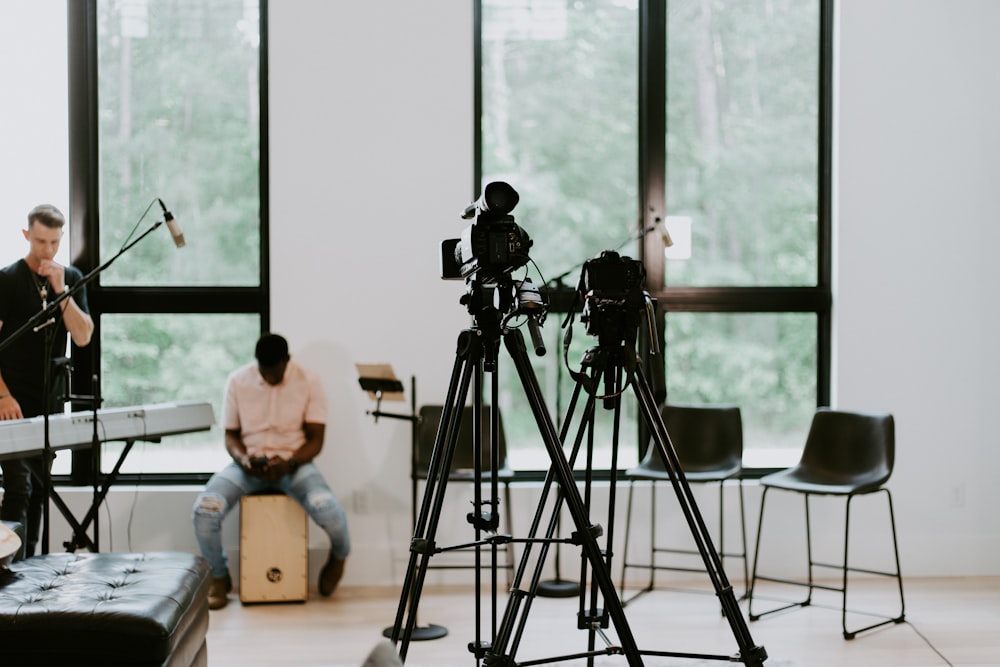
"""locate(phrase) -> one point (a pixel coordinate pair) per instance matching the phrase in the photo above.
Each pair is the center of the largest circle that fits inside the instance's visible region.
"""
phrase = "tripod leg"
(751, 654)
(468, 358)
(515, 616)
(562, 472)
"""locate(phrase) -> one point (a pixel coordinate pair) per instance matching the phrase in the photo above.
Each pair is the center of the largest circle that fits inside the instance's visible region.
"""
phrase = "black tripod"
(477, 351)
(610, 365)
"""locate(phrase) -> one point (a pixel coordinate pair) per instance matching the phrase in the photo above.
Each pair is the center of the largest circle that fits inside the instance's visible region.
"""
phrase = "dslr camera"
(611, 287)
(493, 245)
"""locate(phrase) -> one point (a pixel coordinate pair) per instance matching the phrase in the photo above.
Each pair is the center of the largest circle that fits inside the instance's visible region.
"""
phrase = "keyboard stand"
(81, 539)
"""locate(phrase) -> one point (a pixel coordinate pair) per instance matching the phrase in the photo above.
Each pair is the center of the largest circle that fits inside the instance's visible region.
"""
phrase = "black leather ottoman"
(140, 609)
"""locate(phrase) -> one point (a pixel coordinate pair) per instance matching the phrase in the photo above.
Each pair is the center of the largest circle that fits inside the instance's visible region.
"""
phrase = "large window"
(560, 123)
(742, 158)
(175, 93)
(179, 119)
(710, 117)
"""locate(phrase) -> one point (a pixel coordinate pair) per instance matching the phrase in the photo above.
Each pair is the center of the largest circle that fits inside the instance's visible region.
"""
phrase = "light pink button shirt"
(270, 417)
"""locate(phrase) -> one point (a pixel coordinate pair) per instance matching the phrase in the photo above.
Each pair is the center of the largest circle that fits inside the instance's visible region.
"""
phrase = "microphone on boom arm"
(172, 226)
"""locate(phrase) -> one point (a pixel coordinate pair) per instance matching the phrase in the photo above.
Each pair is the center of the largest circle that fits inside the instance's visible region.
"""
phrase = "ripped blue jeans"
(226, 487)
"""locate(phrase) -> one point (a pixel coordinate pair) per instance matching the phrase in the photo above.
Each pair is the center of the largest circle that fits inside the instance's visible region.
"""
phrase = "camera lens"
(498, 198)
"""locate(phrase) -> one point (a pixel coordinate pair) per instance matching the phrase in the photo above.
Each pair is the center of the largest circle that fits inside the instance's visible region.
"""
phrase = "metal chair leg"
(743, 541)
(652, 566)
(897, 575)
(628, 527)
(756, 560)
(844, 567)
(652, 544)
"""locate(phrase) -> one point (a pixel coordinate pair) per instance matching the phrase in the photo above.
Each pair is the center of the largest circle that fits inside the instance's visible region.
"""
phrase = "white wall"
(371, 164)
(371, 161)
(917, 224)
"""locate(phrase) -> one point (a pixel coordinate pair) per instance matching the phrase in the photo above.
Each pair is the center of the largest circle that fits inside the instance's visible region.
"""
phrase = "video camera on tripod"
(493, 245)
(489, 250)
(611, 289)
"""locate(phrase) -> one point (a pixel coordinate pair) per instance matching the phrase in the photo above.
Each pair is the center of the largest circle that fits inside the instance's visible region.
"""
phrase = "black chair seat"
(822, 482)
(652, 474)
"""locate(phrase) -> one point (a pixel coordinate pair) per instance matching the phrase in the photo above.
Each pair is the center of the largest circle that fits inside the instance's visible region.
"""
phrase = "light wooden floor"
(949, 621)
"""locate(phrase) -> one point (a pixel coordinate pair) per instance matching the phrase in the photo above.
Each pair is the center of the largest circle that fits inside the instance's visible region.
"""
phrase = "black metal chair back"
(463, 460)
(845, 452)
(463, 466)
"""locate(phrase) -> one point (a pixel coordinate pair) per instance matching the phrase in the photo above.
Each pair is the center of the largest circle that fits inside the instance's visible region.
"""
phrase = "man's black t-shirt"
(22, 362)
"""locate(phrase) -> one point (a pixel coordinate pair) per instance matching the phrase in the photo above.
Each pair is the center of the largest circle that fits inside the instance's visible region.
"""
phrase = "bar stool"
(846, 454)
(708, 440)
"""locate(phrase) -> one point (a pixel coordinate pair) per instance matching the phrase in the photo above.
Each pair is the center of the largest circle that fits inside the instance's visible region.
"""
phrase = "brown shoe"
(217, 592)
(330, 575)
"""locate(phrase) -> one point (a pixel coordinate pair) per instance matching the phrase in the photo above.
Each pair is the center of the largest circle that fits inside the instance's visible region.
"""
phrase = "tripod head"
(504, 305)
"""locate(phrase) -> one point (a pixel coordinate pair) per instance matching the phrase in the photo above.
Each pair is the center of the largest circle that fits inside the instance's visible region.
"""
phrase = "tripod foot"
(755, 656)
(558, 588)
(421, 633)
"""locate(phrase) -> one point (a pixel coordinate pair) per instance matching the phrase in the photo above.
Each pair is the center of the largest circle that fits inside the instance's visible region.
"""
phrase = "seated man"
(275, 419)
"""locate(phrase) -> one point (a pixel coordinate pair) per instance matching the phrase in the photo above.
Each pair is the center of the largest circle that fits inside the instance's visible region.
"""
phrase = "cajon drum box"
(274, 549)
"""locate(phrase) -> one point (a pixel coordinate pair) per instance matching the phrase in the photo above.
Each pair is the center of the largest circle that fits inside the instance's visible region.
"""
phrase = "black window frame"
(652, 207)
(85, 232)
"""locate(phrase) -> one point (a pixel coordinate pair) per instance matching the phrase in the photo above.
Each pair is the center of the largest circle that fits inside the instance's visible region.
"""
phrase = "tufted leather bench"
(139, 609)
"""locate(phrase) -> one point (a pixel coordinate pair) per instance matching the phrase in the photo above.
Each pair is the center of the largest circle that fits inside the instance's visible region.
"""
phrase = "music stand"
(381, 383)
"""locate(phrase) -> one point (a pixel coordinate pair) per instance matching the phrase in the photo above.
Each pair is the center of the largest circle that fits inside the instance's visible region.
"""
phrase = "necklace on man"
(43, 289)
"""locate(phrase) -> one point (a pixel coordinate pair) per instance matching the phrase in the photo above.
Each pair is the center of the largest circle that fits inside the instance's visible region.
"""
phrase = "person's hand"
(255, 466)
(56, 273)
(10, 408)
(277, 468)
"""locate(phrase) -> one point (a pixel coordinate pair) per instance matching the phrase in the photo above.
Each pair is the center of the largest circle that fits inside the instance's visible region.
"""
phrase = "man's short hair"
(271, 349)
(48, 215)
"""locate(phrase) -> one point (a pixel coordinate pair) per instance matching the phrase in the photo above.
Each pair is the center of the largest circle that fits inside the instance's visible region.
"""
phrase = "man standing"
(275, 421)
(26, 287)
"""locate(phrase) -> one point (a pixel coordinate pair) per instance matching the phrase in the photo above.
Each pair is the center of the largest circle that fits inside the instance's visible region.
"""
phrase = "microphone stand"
(46, 318)
(558, 587)
(379, 386)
